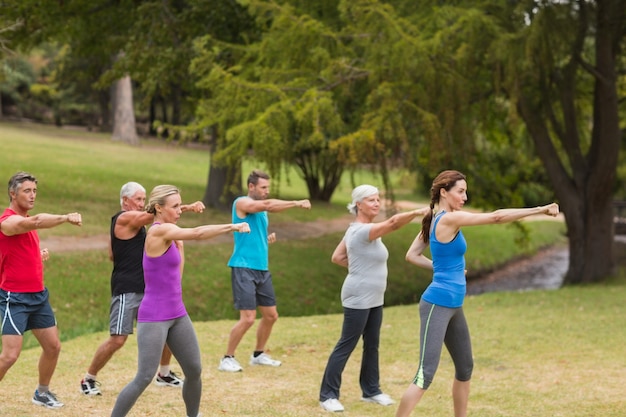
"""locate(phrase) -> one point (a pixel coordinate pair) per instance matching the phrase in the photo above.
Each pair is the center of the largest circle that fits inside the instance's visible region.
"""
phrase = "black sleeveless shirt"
(127, 275)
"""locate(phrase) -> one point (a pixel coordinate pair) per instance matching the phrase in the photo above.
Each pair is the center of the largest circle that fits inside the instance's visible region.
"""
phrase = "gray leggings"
(441, 325)
(182, 341)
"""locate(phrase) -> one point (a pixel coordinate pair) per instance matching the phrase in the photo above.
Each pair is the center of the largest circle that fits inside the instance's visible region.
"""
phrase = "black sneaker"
(169, 380)
(90, 387)
(46, 399)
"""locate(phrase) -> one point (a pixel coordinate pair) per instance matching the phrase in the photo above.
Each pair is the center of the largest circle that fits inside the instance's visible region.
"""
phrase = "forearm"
(513, 214)
(213, 230)
(46, 221)
(419, 260)
(274, 205)
(402, 219)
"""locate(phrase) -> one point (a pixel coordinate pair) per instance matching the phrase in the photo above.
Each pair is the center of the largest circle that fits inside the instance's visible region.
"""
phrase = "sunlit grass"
(539, 353)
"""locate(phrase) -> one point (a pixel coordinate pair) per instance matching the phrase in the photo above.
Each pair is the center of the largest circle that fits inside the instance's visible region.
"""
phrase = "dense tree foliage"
(524, 96)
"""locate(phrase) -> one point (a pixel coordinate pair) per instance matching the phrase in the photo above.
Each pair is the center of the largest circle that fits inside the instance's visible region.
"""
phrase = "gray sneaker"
(46, 399)
(170, 380)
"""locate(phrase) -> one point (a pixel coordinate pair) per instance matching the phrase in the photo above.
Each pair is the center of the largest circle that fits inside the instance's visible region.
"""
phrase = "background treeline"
(525, 97)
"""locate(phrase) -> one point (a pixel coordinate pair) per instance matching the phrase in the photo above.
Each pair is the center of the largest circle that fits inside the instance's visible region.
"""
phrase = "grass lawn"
(540, 353)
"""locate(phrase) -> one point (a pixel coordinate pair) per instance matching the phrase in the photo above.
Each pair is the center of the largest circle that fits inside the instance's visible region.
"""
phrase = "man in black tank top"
(128, 235)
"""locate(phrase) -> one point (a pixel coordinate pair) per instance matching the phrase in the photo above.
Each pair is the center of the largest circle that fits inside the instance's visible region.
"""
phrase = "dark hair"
(254, 176)
(445, 180)
(17, 179)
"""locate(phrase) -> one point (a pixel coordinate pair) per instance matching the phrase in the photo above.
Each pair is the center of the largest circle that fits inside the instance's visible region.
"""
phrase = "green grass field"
(540, 353)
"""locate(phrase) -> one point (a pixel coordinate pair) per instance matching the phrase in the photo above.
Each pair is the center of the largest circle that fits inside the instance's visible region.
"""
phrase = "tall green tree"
(560, 63)
(554, 67)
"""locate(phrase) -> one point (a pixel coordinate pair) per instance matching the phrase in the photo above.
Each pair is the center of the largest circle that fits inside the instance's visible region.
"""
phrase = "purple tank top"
(163, 296)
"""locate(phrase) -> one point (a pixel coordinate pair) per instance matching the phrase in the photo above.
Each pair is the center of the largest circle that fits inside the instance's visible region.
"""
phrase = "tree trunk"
(223, 182)
(105, 115)
(585, 189)
(321, 174)
(124, 127)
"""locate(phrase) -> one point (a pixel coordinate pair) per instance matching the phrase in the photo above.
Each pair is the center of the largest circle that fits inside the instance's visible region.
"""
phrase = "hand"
(422, 211)
(197, 207)
(305, 204)
(552, 209)
(75, 219)
(45, 255)
(271, 238)
(243, 227)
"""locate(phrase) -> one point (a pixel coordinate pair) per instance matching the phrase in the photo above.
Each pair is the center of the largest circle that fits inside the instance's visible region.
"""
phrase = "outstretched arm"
(16, 224)
(450, 224)
(272, 205)
(164, 234)
(464, 218)
(170, 231)
(395, 222)
(197, 207)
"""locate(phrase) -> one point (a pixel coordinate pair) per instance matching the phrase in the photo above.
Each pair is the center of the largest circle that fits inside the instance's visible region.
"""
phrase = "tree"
(124, 128)
(286, 97)
(560, 68)
(553, 66)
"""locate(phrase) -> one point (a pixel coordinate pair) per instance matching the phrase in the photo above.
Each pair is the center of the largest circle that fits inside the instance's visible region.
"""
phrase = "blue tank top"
(251, 249)
(448, 287)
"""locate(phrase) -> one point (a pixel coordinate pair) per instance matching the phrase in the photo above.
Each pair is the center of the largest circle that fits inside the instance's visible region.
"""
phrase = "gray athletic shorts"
(252, 288)
(124, 309)
(22, 311)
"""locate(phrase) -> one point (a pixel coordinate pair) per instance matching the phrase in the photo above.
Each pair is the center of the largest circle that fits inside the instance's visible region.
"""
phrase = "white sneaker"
(382, 399)
(263, 359)
(332, 404)
(229, 365)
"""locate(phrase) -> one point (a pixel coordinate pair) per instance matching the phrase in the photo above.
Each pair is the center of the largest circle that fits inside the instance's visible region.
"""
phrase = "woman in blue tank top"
(441, 305)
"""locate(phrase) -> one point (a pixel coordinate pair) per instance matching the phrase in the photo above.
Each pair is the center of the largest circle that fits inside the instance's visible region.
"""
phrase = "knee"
(144, 379)
(423, 379)
(272, 317)
(9, 357)
(464, 373)
(247, 320)
(116, 342)
(195, 373)
(52, 349)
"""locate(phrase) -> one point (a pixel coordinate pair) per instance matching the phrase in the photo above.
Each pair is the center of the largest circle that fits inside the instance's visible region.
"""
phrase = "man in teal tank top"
(251, 280)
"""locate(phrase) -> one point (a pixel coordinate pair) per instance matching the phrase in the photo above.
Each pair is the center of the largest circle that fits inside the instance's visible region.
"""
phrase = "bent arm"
(415, 254)
(16, 224)
(395, 222)
(340, 254)
(134, 219)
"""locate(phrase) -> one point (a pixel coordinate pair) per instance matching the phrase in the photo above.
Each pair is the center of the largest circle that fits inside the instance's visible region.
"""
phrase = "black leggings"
(182, 341)
(356, 323)
(441, 325)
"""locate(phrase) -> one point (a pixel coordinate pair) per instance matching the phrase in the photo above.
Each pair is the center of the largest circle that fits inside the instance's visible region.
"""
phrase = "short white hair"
(129, 189)
(358, 194)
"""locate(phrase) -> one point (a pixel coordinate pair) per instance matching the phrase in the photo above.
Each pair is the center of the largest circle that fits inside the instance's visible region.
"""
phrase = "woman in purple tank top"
(162, 316)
